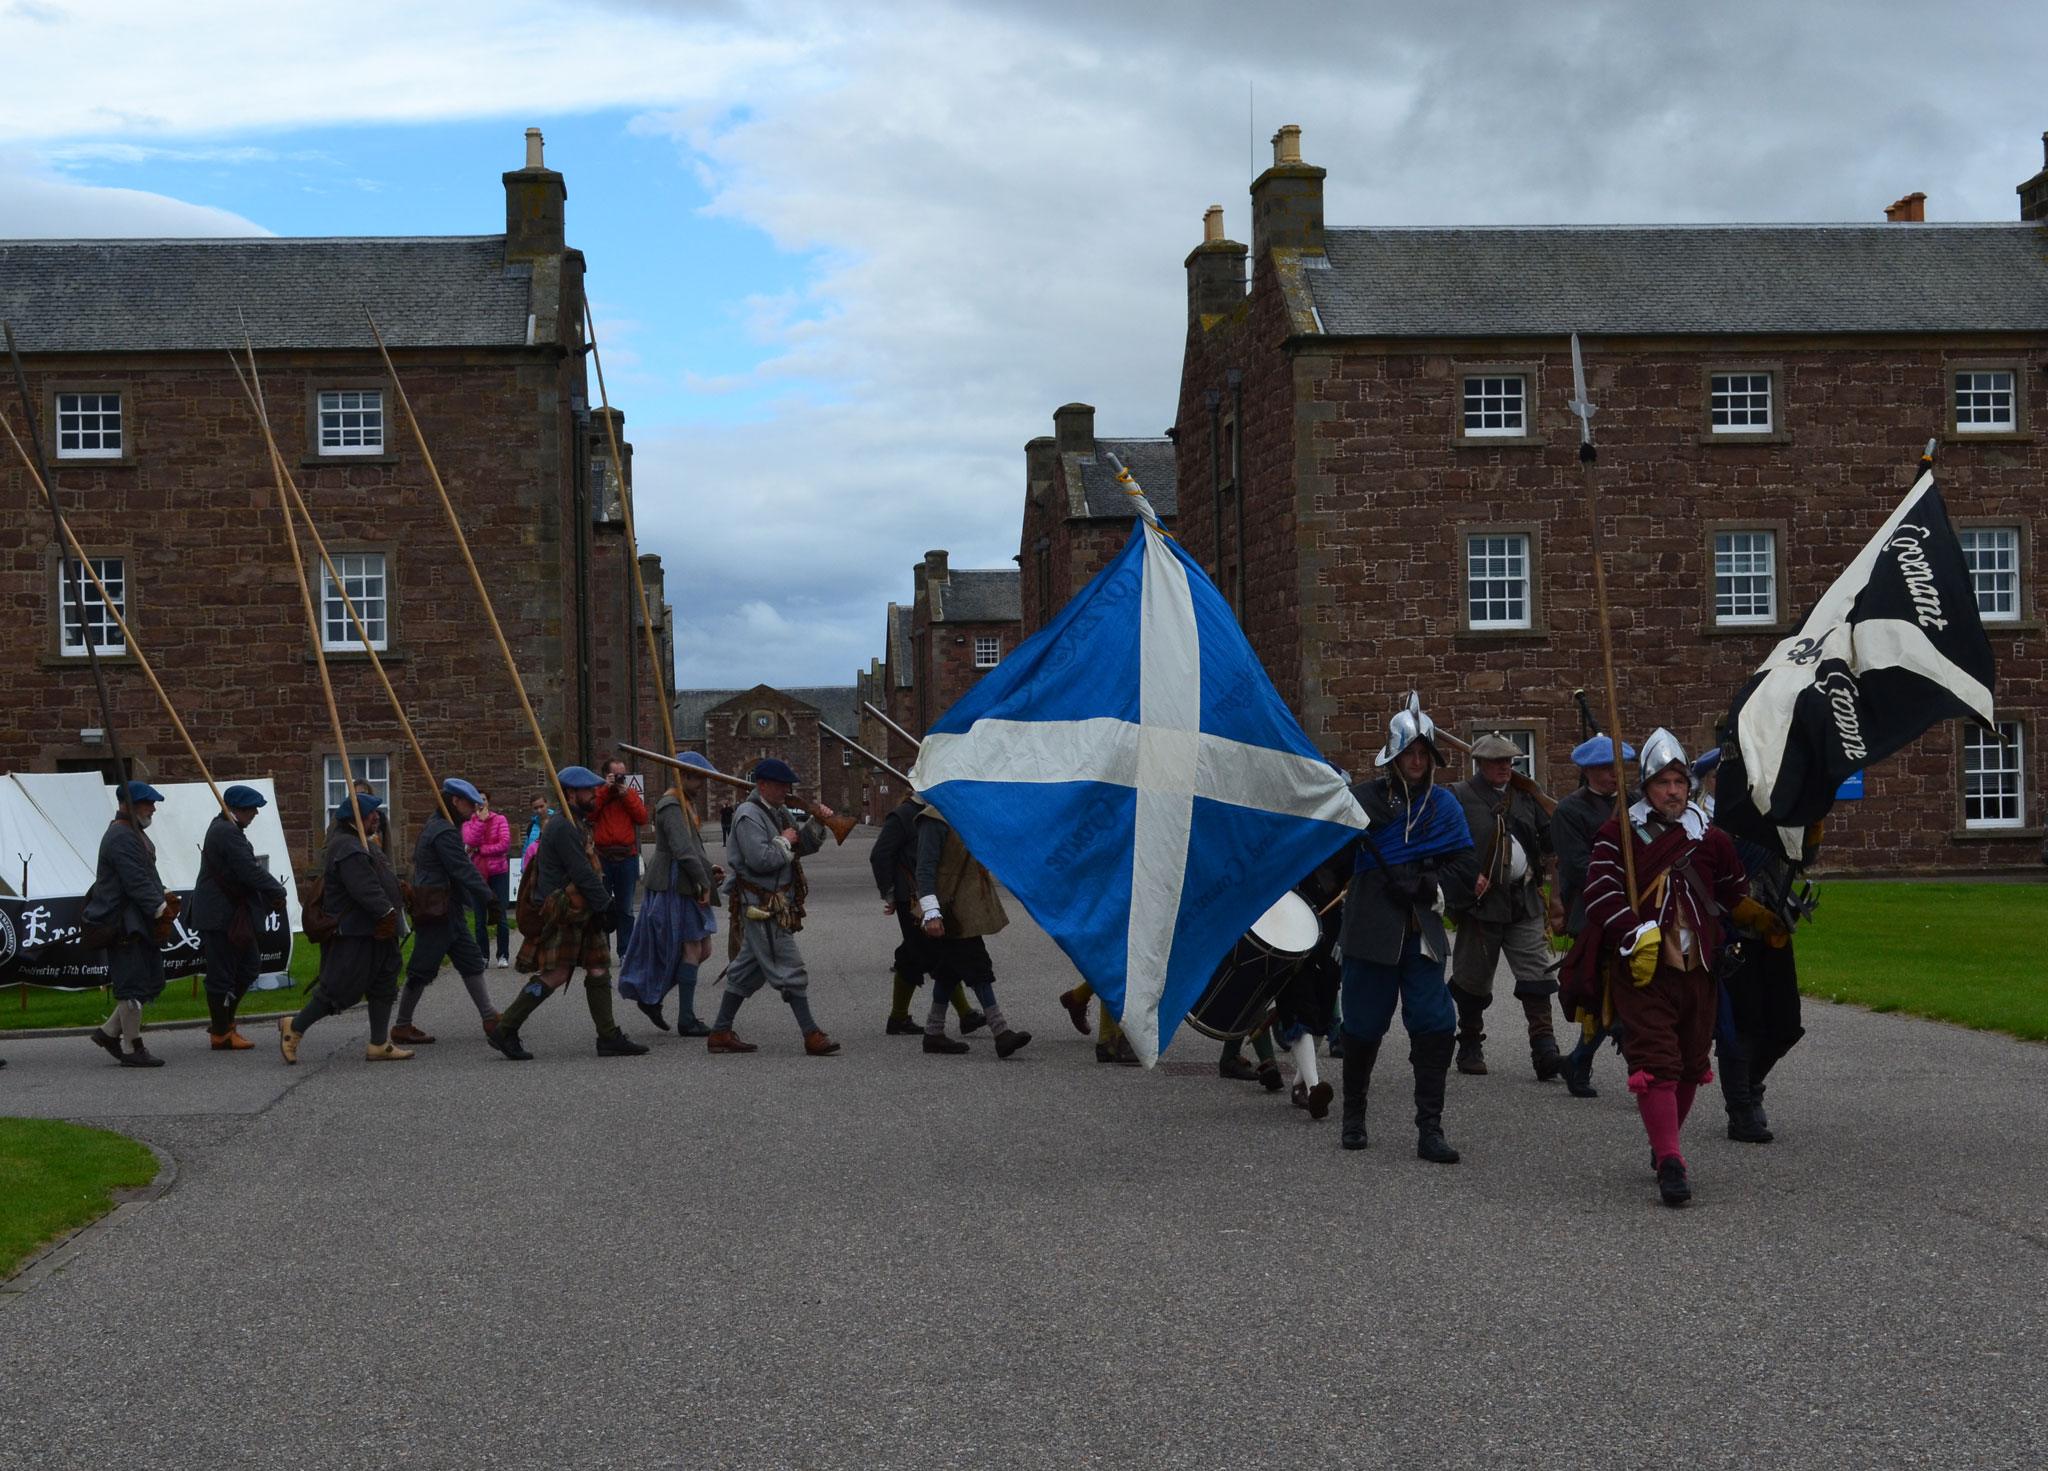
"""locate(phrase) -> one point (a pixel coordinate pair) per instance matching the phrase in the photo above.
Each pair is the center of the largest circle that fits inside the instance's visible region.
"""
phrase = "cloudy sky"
(847, 259)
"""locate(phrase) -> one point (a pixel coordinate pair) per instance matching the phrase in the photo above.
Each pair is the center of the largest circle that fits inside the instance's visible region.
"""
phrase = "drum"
(1237, 999)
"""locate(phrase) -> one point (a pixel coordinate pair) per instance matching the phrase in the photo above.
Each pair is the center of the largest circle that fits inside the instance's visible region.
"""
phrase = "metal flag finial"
(1579, 403)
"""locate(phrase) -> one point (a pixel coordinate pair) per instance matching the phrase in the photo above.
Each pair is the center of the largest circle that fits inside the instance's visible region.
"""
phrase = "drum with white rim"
(1237, 999)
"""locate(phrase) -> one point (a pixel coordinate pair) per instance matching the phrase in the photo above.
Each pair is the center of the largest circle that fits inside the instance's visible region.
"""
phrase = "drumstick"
(1334, 902)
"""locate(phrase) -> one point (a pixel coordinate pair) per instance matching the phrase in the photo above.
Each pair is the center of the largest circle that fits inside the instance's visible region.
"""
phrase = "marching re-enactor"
(446, 889)
(765, 853)
(672, 936)
(1572, 828)
(957, 906)
(1759, 1021)
(1393, 940)
(1511, 837)
(893, 862)
(1656, 959)
(128, 902)
(576, 921)
(360, 894)
(234, 894)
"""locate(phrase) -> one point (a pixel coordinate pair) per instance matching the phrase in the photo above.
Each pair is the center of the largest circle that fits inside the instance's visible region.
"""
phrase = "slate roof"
(1614, 280)
(981, 595)
(838, 705)
(182, 295)
(1151, 464)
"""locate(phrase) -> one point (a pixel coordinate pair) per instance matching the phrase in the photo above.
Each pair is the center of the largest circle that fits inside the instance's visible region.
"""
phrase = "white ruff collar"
(1694, 821)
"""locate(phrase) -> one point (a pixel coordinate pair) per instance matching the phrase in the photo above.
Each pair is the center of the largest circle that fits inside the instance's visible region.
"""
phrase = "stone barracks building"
(162, 470)
(1377, 464)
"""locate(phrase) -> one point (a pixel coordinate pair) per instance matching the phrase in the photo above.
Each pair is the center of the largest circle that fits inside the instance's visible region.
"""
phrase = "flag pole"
(1588, 455)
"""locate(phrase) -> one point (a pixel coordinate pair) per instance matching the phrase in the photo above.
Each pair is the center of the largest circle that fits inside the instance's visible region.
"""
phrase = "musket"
(1516, 780)
(1583, 407)
(856, 746)
(879, 714)
(839, 824)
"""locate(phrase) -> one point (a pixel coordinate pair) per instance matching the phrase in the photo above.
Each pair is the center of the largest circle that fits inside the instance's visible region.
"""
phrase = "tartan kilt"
(568, 937)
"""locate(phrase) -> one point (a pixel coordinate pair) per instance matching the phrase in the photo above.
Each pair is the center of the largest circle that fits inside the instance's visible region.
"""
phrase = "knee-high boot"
(1543, 1054)
(1738, 1094)
(1359, 1055)
(1471, 1032)
(1431, 1056)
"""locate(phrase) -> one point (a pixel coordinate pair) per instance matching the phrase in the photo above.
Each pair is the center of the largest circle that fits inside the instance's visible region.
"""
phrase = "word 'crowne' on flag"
(1133, 777)
(1895, 645)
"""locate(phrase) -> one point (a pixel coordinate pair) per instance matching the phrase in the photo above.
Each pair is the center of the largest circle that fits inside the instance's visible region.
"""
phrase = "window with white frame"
(1745, 577)
(352, 421)
(1739, 403)
(988, 652)
(373, 771)
(89, 426)
(363, 580)
(1985, 400)
(846, 755)
(1992, 554)
(98, 617)
(1496, 405)
(1497, 580)
(1994, 776)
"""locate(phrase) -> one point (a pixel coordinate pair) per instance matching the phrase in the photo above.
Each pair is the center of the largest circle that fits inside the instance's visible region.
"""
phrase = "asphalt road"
(884, 1259)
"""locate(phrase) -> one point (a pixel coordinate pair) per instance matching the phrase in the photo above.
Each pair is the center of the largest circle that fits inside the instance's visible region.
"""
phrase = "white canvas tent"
(55, 820)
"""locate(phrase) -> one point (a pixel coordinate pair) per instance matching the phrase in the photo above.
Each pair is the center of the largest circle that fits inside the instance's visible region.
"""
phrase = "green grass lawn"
(182, 998)
(57, 1177)
(1970, 953)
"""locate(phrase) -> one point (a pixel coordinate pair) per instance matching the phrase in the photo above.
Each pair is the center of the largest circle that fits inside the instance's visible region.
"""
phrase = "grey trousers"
(768, 957)
(1477, 951)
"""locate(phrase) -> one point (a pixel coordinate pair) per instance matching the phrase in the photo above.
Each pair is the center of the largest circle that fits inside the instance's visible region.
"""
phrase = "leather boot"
(1471, 1033)
(1736, 1097)
(1577, 1071)
(1543, 1053)
(1359, 1056)
(1432, 1059)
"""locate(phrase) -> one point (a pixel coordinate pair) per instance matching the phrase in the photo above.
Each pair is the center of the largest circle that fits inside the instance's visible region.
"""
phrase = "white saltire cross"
(1166, 757)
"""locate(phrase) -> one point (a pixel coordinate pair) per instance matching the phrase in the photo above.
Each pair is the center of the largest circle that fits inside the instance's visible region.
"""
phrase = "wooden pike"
(256, 404)
(611, 434)
(32, 463)
(540, 741)
(291, 536)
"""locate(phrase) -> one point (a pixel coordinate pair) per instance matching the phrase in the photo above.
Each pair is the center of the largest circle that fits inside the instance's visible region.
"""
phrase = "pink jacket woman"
(488, 836)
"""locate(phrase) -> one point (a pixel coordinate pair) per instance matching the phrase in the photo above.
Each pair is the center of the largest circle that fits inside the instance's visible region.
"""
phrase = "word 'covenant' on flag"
(1894, 646)
(1132, 776)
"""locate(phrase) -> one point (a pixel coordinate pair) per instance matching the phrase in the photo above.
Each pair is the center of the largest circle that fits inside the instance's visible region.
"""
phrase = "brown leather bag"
(427, 903)
(315, 922)
(527, 909)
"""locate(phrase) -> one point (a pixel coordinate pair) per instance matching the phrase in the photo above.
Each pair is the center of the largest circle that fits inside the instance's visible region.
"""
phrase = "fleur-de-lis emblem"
(1806, 651)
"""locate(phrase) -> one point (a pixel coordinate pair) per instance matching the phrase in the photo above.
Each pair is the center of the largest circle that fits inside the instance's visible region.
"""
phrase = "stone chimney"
(1073, 429)
(534, 201)
(934, 566)
(1039, 457)
(1287, 199)
(1911, 210)
(1215, 270)
(2034, 193)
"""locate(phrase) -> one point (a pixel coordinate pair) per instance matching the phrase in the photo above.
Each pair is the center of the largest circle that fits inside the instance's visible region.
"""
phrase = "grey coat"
(677, 845)
(756, 852)
(563, 863)
(1505, 900)
(230, 878)
(127, 893)
(1377, 923)
(439, 860)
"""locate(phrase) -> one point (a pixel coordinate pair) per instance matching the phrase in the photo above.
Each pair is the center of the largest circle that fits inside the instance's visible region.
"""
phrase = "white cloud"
(34, 205)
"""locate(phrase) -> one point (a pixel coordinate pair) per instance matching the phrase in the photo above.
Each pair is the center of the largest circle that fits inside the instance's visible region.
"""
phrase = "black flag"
(1893, 647)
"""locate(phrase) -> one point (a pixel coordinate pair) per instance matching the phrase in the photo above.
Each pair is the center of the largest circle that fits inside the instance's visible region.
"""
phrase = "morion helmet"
(1661, 752)
(1408, 726)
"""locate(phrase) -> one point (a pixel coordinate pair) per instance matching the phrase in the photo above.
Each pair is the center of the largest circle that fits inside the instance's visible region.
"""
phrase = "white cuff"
(1635, 940)
(928, 907)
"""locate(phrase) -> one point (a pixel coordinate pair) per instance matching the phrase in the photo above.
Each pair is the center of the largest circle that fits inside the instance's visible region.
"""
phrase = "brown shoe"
(287, 1039)
(386, 1052)
(727, 1042)
(232, 1041)
(410, 1035)
(1077, 1010)
(817, 1044)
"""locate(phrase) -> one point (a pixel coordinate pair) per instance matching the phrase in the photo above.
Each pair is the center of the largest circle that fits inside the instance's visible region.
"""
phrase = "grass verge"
(58, 1178)
(1966, 953)
(182, 998)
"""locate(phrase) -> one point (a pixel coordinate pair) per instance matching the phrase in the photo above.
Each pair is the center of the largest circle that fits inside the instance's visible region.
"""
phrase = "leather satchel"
(427, 903)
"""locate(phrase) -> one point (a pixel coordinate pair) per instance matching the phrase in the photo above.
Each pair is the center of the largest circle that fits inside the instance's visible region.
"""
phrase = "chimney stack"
(1073, 429)
(535, 197)
(935, 566)
(1039, 456)
(2034, 193)
(1287, 200)
(1911, 210)
(1215, 270)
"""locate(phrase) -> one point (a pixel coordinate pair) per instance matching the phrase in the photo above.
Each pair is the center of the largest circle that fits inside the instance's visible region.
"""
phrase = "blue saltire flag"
(1133, 777)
